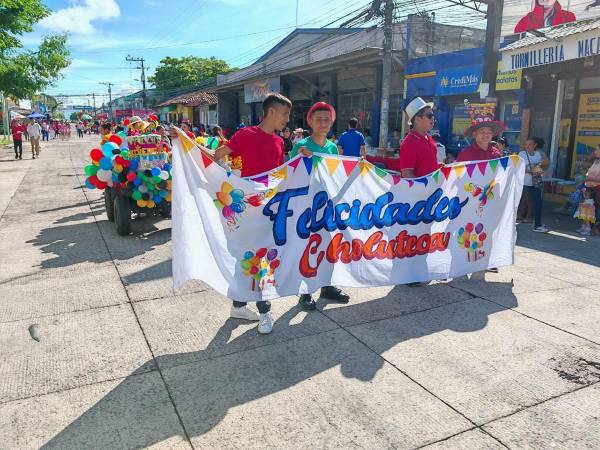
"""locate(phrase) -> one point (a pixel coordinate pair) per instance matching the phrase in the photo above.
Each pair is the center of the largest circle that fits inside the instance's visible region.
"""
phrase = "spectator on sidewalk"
(35, 131)
(17, 129)
(536, 163)
(592, 183)
(352, 142)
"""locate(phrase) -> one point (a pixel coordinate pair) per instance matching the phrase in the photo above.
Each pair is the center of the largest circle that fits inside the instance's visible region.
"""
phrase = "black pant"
(263, 307)
(44, 135)
(535, 194)
(18, 148)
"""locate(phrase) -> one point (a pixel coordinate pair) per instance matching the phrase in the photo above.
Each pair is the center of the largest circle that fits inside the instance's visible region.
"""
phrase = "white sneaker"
(541, 229)
(265, 323)
(244, 313)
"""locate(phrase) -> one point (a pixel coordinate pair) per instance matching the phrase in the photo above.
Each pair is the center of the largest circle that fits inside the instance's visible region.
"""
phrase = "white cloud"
(78, 19)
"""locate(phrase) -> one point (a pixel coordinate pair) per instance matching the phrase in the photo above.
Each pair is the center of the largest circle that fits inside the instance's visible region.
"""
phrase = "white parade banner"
(333, 220)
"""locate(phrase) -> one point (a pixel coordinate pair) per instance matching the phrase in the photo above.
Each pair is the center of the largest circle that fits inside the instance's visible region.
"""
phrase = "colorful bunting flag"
(396, 179)
(381, 173)
(294, 163)
(349, 166)
(264, 179)
(205, 159)
(458, 170)
(308, 164)
(435, 175)
(482, 166)
(332, 164)
(493, 164)
(515, 159)
(446, 171)
(470, 169)
(281, 173)
(504, 162)
(364, 168)
(410, 183)
(316, 160)
(423, 180)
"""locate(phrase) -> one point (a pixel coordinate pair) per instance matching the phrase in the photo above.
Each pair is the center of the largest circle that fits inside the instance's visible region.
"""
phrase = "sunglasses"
(428, 115)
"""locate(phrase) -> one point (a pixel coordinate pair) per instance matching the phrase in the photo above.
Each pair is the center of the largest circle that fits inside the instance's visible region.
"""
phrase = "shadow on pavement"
(205, 391)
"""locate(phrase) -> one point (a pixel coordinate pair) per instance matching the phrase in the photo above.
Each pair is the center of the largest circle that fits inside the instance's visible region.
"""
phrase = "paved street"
(501, 360)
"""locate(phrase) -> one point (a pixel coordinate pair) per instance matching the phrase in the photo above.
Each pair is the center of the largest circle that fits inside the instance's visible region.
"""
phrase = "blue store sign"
(459, 80)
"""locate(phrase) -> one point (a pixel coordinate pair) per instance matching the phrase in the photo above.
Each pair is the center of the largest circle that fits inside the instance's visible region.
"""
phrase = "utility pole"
(387, 71)
(94, 100)
(143, 78)
(110, 111)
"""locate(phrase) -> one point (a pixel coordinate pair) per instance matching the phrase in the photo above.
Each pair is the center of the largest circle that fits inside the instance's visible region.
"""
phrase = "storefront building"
(198, 108)
(561, 80)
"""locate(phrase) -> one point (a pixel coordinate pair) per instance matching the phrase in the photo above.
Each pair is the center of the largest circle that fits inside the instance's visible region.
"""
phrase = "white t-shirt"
(34, 130)
(535, 159)
(441, 152)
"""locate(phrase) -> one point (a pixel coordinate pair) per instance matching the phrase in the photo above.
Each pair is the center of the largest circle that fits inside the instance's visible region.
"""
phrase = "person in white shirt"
(441, 149)
(35, 131)
(536, 163)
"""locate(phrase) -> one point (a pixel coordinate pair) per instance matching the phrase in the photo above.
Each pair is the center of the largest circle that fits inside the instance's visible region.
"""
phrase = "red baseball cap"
(321, 106)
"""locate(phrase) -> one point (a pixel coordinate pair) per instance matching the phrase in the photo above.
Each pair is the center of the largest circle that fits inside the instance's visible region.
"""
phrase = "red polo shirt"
(418, 152)
(260, 151)
(475, 153)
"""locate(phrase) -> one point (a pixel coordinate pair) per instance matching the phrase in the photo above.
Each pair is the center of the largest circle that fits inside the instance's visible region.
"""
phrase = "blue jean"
(263, 307)
(535, 193)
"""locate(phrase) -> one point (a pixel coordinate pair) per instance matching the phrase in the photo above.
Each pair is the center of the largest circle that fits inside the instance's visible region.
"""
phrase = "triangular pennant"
(504, 162)
(281, 173)
(470, 169)
(332, 164)
(435, 175)
(316, 160)
(458, 170)
(482, 166)
(493, 164)
(206, 160)
(308, 164)
(446, 171)
(187, 144)
(364, 168)
(294, 163)
(349, 166)
(410, 183)
(515, 159)
(423, 180)
(381, 173)
(396, 179)
(264, 179)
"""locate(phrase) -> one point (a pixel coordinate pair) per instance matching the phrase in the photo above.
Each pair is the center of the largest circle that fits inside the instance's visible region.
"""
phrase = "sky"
(102, 33)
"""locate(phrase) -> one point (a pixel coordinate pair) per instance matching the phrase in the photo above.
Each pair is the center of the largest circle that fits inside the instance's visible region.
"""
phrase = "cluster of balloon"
(471, 238)
(483, 194)
(112, 167)
(260, 266)
(231, 203)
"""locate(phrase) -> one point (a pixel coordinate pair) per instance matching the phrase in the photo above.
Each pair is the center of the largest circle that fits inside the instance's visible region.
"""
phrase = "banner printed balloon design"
(233, 202)
(471, 238)
(483, 194)
(260, 266)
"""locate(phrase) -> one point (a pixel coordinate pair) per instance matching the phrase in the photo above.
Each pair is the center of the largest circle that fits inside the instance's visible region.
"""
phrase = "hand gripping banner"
(333, 220)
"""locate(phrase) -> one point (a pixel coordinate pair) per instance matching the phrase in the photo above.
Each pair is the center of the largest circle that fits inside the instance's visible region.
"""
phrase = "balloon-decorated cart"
(135, 173)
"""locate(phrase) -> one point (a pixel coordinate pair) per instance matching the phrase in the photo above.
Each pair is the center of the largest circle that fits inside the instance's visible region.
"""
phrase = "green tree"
(58, 115)
(74, 116)
(187, 71)
(26, 72)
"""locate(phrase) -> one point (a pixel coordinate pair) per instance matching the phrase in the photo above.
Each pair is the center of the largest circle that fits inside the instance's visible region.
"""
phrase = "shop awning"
(192, 99)
(558, 44)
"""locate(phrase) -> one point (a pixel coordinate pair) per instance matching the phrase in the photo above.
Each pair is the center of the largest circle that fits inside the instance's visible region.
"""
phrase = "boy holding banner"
(260, 149)
(320, 118)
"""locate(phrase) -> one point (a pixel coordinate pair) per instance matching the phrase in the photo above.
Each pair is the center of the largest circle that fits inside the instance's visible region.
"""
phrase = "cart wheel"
(109, 204)
(122, 215)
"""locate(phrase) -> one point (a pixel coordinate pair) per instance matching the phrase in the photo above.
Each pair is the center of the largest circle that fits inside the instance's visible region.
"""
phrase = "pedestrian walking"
(35, 132)
(320, 118)
(17, 129)
(352, 142)
(418, 152)
(536, 163)
(45, 131)
(261, 149)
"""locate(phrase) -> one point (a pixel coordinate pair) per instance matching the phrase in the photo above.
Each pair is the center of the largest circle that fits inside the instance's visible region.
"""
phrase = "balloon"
(226, 187)
(90, 169)
(468, 187)
(218, 204)
(101, 184)
(237, 207)
(272, 254)
(88, 184)
(163, 194)
(167, 167)
(257, 277)
(168, 197)
(141, 203)
(482, 237)
(155, 171)
(150, 204)
(264, 264)
(467, 244)
(474, 245)
(133, 165)
(118, 168)
(478, 228)
(146, 196)
(248, 255)
(131, 176)
(137, 182)
(275, 264)
(237, 195)
(261, 252)
(143, 188)
(254, 260)
(106, 163)
(227, 212)
(115, 139)
(253, 270)
(469, 227)
(136, 195)
(245, 264)
(224, 198)
(164, 175)
(263, 272)
(96, 154)
(104, 175)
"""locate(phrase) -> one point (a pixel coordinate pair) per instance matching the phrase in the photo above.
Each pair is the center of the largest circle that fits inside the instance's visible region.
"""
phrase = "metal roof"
(556, 33)
(198, 98)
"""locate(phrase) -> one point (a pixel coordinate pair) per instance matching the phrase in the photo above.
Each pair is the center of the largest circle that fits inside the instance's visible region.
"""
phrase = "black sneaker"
(334, 294)
(307, 303)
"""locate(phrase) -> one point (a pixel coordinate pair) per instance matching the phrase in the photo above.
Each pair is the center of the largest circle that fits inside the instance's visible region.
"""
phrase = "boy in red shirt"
(260, 149)
(418, 152)
(17, 131)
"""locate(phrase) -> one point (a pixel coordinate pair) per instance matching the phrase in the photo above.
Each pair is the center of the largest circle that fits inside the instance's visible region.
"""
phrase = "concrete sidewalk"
(502, 360)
